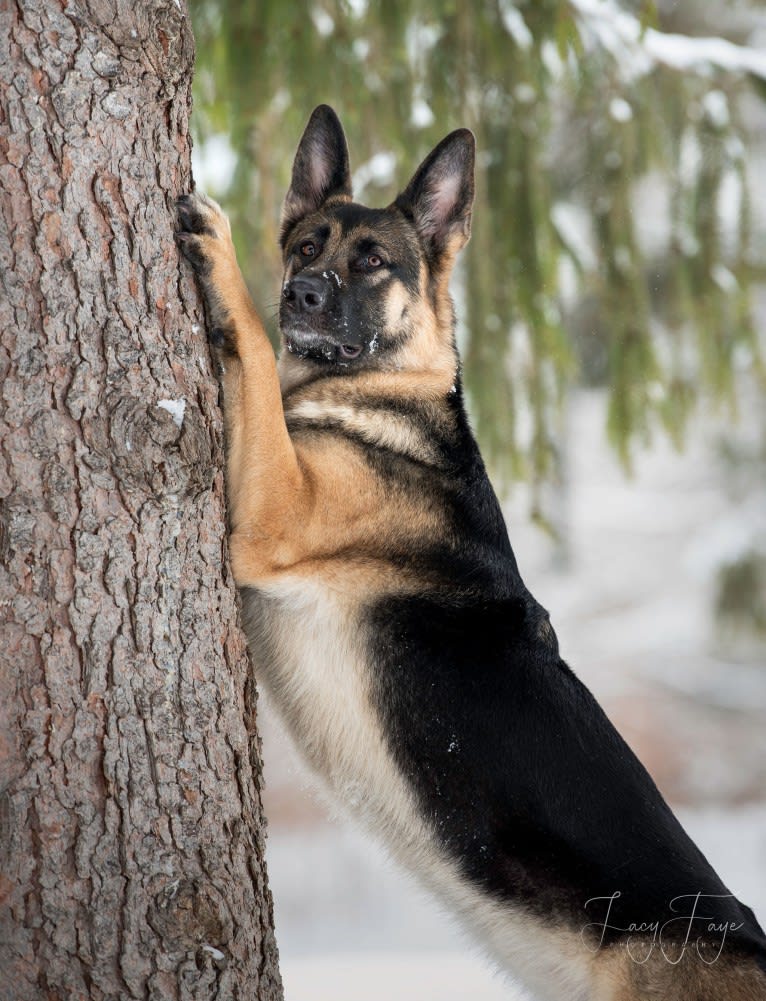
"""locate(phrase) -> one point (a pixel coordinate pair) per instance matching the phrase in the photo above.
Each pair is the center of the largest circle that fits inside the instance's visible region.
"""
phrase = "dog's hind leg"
(631, 973)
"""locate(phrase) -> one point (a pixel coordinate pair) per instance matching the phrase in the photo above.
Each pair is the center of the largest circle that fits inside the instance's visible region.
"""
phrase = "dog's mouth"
(350, 351)
(309, 344)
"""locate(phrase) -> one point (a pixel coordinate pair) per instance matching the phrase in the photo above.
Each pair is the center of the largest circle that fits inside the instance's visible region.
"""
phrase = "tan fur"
(643, 972)
(302, 506)
(328, 523)
(432, 350)
(259, 450)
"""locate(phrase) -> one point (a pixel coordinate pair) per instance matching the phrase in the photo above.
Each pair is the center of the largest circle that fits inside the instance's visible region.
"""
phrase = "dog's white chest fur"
(310, 654)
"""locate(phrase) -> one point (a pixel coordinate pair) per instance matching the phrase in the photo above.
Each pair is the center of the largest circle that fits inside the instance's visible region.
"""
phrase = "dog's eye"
(369, 262)
(308, 249)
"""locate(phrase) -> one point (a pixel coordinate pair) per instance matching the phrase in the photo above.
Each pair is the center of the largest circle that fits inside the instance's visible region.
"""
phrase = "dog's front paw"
(204, 236)
(202, 228)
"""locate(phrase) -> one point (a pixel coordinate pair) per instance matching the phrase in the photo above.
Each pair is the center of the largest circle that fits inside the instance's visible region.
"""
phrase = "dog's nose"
(307, 293)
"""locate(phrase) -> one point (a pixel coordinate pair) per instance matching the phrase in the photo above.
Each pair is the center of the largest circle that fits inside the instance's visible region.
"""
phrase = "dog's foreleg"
(264, 479)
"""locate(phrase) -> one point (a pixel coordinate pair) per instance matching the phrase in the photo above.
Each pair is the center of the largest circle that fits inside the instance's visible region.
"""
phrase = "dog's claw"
(192, 216)
(202, 232)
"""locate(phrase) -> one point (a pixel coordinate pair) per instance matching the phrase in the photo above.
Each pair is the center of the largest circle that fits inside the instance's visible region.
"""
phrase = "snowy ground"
(632, 612)
(374, 976)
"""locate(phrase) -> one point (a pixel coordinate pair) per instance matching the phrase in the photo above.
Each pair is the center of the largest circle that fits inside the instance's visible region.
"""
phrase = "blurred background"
(612, 310)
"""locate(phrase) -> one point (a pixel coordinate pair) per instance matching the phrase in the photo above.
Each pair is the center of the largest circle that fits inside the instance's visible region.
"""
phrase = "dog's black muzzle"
(308, 294)
(312, 321)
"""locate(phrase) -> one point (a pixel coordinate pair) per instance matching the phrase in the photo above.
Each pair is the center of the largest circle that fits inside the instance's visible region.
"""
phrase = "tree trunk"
(131, 833)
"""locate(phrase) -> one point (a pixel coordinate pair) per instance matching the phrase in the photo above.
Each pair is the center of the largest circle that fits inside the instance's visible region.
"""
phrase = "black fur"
(190, 218)
(525, 780)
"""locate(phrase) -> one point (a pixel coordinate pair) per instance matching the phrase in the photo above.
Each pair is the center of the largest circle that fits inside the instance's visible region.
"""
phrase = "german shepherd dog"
(387, 617)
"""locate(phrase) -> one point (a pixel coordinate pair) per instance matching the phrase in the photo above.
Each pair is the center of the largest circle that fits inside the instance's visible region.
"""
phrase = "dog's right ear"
(320, 170)
(439, 198)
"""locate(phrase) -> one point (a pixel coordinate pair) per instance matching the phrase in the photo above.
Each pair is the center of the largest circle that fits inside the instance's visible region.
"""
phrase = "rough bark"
(131, 833)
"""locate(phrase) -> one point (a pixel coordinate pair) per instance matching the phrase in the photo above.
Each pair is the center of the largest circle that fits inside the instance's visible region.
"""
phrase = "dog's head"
(368, 287)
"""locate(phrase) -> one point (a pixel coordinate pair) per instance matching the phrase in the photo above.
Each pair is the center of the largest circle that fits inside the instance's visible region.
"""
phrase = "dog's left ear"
(439, 197)
(320, 169)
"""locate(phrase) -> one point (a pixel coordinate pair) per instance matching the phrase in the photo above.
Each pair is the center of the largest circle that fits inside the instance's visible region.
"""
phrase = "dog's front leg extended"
(264, 480)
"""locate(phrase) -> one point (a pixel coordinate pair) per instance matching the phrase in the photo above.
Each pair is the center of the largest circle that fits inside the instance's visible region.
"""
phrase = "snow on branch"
(638, 50)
